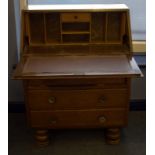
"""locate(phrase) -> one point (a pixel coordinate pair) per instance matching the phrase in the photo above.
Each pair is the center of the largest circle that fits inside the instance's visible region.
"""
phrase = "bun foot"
(112, 136)
(42, 137)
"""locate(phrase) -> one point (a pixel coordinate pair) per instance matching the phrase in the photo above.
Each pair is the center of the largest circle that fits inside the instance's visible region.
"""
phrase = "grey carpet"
(78, 142)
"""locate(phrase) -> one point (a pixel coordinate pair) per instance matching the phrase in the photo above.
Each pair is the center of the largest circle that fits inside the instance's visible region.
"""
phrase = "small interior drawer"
(78, 118)
(75, 17)
(77, 99)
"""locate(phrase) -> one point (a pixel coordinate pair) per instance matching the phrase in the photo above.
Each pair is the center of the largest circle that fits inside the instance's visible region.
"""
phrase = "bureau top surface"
(77, 7)
(66, 66)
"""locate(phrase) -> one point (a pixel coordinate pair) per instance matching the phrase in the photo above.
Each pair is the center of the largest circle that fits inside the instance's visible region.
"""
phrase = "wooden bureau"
(76, 66)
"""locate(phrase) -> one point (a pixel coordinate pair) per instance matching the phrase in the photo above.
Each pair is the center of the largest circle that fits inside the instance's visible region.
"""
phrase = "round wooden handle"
(102, 99)
(52, 121)
(75, 17)
(51, 100)
(102, 119)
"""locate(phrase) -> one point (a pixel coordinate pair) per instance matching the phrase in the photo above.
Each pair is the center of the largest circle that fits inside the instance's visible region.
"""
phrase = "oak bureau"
(76, 65)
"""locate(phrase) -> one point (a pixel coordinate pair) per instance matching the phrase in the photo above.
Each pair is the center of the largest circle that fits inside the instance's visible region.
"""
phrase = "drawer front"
(81, 118)
(73, 99)
(78, 83)
(75, 17)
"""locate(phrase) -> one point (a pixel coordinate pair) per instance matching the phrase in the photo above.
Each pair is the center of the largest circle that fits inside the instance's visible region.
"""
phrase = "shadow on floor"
(78, 142)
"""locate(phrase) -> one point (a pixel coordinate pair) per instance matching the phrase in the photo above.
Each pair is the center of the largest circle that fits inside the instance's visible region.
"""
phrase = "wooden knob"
(75, 17)
(51, 100)
(102, 119)
(52, 121)
(102, 100)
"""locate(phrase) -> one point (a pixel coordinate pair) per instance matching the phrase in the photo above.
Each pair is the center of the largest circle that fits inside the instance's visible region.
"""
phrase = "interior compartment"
(45, 30)
(114, 26)
(71, 27)
(98, 27)
(76, 38)
(36, 28)
(52, 27)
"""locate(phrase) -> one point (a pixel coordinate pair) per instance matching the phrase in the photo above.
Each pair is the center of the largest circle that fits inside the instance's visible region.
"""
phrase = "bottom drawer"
(78, 118)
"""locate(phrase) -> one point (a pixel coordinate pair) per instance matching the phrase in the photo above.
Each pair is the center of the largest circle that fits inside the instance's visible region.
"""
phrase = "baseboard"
(138, 105)
(16, 107)
(19, 107)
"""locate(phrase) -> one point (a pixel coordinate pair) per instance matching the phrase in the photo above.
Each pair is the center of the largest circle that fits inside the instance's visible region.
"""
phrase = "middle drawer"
(74, 99)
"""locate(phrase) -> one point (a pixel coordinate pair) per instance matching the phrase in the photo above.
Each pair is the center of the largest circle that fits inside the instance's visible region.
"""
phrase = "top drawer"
(78, 83)
(75, 17)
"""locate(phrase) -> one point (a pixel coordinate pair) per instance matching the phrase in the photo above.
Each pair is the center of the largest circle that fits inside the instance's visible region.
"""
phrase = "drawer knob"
(75, 17)
(52, 121)
(102, 99)
(51, 100)
(102, 119)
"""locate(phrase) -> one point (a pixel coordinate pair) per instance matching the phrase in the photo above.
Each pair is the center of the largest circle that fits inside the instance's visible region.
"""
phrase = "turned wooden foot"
(112, 136)
(42, 137)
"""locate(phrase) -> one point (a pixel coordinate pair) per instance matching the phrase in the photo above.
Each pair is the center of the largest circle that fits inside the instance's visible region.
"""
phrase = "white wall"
(15, 87)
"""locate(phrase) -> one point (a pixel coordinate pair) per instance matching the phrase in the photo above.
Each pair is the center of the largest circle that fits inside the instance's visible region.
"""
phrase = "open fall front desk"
(76, 66)
(79, 65)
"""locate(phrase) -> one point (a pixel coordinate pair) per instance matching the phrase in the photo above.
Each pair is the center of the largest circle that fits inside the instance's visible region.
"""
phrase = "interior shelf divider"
(106, 26)
(45, 35)
(90, 27)
(123, 21)
(61, 40)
